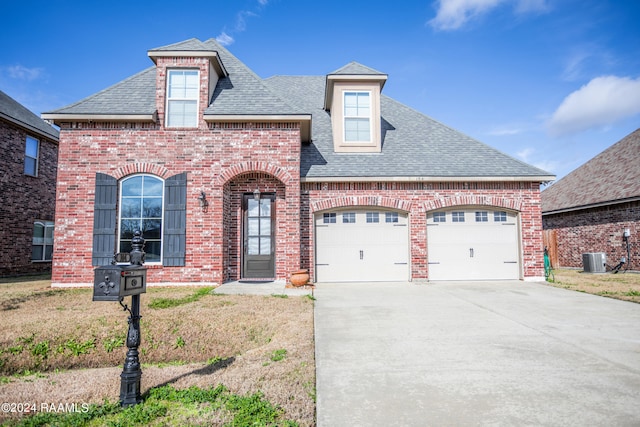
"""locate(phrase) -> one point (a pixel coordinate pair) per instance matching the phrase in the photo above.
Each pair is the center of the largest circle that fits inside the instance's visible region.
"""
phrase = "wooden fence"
(550, 241)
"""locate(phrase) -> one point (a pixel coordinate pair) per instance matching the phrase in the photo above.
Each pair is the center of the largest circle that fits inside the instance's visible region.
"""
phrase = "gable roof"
(192, 44)
(241, 92)
(14, 112)
(414, 146)
(355, 68)
(612, 176)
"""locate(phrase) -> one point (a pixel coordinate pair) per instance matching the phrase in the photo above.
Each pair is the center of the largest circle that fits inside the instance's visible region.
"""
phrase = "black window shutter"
(104, 219)
(174, 238)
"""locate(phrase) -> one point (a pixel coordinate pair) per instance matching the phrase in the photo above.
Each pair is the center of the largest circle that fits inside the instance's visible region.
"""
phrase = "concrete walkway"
(261, 288)
(474, 354)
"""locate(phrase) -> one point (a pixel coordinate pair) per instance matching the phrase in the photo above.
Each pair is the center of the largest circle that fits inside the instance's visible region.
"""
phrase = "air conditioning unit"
(594, 262)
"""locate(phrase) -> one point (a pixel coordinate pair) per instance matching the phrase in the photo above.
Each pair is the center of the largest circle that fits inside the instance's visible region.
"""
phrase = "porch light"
(202, 198)
(256, 194)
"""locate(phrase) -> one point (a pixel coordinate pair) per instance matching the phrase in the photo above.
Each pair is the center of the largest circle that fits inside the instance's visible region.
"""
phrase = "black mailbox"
(114, 282)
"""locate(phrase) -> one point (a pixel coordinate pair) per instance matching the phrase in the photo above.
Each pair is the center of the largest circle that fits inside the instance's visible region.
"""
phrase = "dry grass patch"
(76, 347)
(623, 286)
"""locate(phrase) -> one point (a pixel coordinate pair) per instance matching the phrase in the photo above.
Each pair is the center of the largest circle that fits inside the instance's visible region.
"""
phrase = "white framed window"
(31, 155)
(373, 217)
(439, 217)
(391, 217)
(482, 217)
(183, 87)
(457, 216)
(500, 216)
(329, 218)
(141, 209)
(42, 244)
(357, 116)
(349, 218)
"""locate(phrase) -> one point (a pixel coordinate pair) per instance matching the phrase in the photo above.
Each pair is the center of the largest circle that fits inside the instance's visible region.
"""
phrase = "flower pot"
(300, 277)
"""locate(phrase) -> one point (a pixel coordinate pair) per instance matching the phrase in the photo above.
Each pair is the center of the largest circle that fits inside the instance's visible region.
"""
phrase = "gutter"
(61, 117)
(544, 178)
(592, 205)
(33, 129)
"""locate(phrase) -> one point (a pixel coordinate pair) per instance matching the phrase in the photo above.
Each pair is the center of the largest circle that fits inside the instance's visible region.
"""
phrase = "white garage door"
(362, 245)
(473, 244)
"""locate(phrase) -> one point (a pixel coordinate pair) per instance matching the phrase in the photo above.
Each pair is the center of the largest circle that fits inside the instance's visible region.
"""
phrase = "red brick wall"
(225, 160)
(164, 63)
(23, 199)
(213, 156)
(597, 230)
(418, 199)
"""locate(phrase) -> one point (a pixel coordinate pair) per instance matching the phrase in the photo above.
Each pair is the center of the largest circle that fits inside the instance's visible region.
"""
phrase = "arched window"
(143, 202)
(141, 208)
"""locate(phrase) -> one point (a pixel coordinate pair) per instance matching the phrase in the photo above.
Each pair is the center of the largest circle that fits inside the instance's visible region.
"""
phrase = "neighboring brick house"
(28, 161)
(234, 177)
(589, 209)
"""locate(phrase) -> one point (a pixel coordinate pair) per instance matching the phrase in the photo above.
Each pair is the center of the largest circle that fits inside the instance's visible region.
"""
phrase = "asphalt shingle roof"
(414, 145)
(12, 110)
(355, 68)
(243, 92)
(611, 176)
(133, 96)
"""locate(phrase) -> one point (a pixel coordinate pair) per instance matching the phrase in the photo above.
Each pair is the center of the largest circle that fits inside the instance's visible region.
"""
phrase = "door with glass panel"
(258, 236)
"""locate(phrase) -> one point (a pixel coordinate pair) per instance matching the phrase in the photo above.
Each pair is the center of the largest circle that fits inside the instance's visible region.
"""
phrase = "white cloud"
(224, 39)
(23, 73)
(453, 14)
(601, 102)
(574, 65)
(506, 131)
(240, 24)
(525, 153)
(241, 20)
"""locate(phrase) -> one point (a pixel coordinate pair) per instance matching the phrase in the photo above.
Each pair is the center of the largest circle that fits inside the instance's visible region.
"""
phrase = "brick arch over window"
(349, 201)
(467, 200)
(251, 167)
(135, 168)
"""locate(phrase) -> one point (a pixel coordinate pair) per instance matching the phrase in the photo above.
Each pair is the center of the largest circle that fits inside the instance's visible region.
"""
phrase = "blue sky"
(549, 82)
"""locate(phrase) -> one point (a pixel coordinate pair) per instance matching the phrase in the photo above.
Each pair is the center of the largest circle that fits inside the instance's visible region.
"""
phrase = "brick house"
(589, 209)
(235, 177)
(29, 157)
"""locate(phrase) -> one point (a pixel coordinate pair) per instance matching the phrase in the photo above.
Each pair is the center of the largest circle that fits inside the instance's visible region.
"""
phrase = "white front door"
(362, 245)
(473, 244)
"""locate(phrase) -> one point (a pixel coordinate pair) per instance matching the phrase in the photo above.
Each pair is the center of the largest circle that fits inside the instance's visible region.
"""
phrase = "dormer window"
(182, 98)
(352, 95)
(357, 117)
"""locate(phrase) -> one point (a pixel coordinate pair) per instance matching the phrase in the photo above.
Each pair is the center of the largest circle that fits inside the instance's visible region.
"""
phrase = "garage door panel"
(473, 250)
(360, 250)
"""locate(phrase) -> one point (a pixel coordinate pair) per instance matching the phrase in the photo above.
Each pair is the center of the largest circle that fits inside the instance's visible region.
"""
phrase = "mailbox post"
(113, 283)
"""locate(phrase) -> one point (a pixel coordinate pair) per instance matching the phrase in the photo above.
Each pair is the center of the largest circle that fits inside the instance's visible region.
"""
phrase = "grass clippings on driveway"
(57, 346)
(623, 285)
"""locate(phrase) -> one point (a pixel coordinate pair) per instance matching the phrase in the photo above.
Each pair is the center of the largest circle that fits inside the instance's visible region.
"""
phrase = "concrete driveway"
(467, 354)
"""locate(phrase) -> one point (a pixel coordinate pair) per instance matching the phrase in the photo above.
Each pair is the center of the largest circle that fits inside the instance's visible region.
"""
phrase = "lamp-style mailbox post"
(113, 283)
